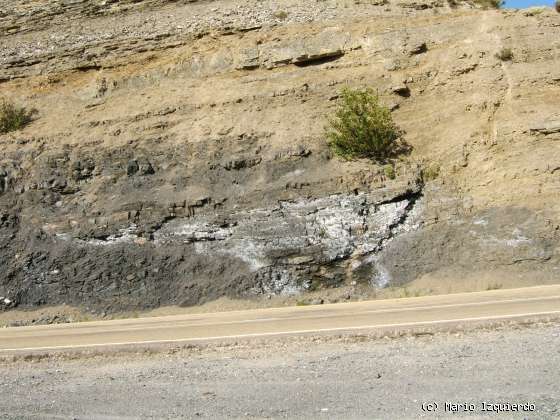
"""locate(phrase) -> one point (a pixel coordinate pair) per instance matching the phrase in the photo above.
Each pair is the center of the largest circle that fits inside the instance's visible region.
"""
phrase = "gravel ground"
(306, 377)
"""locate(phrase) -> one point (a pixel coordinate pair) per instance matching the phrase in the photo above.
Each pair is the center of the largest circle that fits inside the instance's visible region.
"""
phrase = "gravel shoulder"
(301, 377)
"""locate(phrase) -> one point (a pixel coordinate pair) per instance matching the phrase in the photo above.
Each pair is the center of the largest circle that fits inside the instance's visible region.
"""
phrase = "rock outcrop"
(178, 155)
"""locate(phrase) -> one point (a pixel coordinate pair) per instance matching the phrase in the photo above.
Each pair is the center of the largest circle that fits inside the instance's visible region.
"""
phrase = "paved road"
(386, 314)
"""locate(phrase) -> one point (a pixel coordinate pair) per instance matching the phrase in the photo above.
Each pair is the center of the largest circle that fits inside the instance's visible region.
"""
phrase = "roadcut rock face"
(178, 153)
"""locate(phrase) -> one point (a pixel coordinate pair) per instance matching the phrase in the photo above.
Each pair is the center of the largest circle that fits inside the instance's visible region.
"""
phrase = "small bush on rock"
(13, 117)
(361, 127)
(389, 171)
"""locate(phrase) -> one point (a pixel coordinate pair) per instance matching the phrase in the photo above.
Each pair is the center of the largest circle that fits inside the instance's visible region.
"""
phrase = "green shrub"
(361, 127)
(389, 171)
(13, 117)
(430, 173)
(557, 6)
(505, 54)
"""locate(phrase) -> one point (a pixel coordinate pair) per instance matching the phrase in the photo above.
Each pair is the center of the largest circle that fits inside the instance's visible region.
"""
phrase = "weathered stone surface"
(401, 89)
(547, 127)
(328, 44)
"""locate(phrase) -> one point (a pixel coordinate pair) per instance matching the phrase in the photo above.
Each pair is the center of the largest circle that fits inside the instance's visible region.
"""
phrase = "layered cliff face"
(178, 152)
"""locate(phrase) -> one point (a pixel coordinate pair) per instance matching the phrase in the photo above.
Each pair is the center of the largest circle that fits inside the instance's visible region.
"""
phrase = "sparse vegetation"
(505, 54)
(430, 173)
(13, 117)
(389, 171)
(361, 127)
(494, 286)
(557, 6)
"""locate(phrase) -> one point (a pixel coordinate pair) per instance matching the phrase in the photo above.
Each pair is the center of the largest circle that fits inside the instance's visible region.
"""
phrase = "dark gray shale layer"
(188, 253)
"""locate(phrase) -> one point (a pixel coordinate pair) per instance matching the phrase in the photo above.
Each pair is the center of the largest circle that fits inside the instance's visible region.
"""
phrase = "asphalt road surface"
(359, 316)
(339, 376)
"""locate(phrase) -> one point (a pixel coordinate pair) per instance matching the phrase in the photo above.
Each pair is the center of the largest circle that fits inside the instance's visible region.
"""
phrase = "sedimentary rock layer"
(178, 151)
